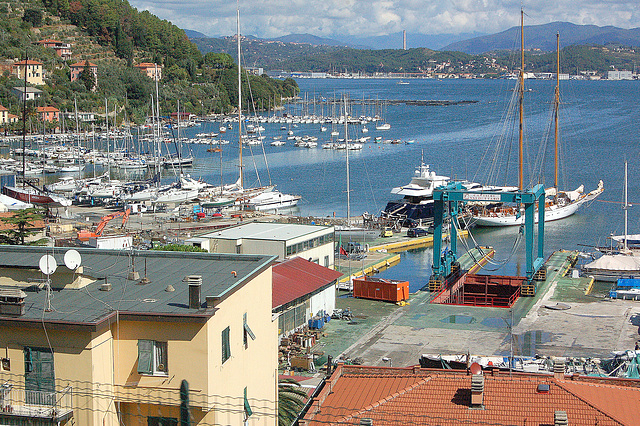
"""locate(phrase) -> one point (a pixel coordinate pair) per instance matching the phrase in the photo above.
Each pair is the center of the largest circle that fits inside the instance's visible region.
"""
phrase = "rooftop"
(411, 395)
(265, 231)
(88, 305)
(297, 277)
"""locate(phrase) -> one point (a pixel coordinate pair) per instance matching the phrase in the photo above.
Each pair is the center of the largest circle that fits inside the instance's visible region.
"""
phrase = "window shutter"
(247, 408)
(145, 356)
(226, 349)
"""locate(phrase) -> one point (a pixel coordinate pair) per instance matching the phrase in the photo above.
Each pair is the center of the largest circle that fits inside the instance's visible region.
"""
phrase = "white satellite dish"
(72, 259)
(48, 264)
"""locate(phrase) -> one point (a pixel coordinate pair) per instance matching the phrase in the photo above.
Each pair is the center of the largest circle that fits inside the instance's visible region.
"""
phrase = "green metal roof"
(90, 305)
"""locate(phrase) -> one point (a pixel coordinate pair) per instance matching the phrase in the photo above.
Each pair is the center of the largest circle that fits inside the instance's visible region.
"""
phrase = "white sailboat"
(558, 204)
(626, 263)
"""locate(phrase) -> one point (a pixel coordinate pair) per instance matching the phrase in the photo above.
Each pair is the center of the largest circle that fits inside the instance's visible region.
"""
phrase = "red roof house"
(415, 396)
(301, 289)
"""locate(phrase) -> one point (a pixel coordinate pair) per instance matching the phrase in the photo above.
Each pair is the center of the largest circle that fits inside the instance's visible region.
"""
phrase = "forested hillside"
(115, 36)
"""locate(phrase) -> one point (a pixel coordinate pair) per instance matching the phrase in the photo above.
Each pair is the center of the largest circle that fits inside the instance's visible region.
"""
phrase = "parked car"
(417, 232)
(386, 232)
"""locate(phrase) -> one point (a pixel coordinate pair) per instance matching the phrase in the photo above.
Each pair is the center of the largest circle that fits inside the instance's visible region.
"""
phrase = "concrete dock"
(592, 326)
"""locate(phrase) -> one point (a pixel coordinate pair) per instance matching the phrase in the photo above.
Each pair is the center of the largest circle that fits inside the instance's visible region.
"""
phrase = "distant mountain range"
(543, 37)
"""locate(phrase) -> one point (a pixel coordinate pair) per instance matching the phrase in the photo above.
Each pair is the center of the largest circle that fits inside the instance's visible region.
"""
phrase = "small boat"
(273, 200)
(214, 149)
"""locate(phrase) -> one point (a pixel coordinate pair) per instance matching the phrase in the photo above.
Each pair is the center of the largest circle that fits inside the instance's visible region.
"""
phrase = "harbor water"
(598, 132)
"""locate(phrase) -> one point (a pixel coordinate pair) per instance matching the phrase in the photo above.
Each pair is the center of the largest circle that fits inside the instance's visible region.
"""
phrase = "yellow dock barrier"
(413, 243)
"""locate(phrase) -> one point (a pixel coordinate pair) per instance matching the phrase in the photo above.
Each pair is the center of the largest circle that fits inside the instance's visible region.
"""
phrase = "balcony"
(19, 406)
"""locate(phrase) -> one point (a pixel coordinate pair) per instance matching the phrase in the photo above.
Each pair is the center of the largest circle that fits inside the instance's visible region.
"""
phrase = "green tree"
(87, 77)
(291, 400)
(21, 225)
(34, 16)
(180, 247)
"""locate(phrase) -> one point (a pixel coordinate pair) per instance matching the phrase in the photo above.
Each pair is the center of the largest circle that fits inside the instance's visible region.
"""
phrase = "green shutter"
(226, 348)
(247, 408)
(145, 356)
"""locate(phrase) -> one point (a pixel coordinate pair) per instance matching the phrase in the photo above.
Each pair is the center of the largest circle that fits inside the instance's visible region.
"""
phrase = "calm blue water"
(599, 122)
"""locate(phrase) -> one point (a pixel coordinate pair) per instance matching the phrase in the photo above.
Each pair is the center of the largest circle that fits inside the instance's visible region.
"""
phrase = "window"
(326, 261)
(246, 332)
(226, 347)
(152, 357)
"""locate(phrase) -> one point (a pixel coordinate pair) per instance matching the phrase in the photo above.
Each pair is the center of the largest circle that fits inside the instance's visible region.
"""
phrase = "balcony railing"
(18, 402)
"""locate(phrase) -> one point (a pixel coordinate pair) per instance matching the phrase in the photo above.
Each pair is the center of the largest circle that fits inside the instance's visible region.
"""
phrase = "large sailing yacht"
(558, 204)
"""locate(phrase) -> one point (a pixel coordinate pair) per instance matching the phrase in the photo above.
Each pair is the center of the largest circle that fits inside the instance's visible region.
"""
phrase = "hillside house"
(34, 70)
(28, 93)
(78, 67)
(48, 113)
(151, 70)
(62, 49)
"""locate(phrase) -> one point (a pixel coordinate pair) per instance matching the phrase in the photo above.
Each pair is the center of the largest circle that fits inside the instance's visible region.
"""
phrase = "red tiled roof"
(83, 64)
(48, 109)
(147, 65)
(28, 62)
(2, 108)
(48, 40)
(35, 224)
(298, 277)
(414, 396)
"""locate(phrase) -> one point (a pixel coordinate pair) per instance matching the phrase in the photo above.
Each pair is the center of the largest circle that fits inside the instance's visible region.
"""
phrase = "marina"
(450, 139)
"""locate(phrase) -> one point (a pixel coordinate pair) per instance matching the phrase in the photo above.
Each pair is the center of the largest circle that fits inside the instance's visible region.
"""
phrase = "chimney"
(560, 418)
(558, 369)
(477, 390)
(195, 283)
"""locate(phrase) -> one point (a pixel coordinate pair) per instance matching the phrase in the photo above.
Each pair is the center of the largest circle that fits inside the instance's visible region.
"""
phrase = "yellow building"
(112, 340)
(34, 71)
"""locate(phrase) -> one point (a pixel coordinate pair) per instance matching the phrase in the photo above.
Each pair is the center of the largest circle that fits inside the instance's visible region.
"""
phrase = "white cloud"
(273, 18)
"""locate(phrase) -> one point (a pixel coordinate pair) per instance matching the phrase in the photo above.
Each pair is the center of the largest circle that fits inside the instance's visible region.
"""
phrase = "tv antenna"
(48, 266)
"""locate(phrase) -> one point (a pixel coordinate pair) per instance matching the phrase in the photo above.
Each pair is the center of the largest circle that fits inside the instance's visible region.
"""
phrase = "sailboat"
(558, 204)
(626, 263)
(349, 230)
(263, 198)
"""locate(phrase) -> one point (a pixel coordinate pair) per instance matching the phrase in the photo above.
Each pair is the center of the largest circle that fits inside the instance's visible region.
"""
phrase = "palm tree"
(291, 400)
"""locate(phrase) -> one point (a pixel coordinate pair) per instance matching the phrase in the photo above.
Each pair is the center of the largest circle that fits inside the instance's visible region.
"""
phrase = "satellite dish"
(72, 259)
(47, 264)
(476, 368)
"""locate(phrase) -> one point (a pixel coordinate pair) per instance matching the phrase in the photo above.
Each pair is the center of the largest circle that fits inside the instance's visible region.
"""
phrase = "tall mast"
(346, 144)
(626, 206)
(239, 97)
(24, 120)
(555, 109)
(521, 103)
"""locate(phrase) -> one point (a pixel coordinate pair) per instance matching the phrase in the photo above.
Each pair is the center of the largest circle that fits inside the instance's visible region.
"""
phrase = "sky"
(366, 18)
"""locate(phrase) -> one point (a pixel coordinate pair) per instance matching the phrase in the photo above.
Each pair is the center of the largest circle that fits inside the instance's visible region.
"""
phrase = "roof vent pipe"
(195, 283)
(366, 422)
(560, 418)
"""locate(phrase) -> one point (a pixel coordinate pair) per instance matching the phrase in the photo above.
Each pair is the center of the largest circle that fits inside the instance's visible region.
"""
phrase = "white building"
(619, 75)
(311, 242)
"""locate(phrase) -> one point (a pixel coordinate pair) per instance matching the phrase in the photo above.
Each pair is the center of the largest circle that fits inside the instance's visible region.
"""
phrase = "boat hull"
(31, 196)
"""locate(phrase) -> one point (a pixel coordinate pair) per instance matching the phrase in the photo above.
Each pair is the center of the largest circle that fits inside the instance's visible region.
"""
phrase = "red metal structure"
(481, 290)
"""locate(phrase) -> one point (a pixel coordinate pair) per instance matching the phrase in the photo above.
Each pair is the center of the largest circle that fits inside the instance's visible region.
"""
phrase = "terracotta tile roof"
(48, 109)
(37, 224)
(298, 277)
(414, 396)
(48, 40)
(28, 62)
(83, 64)
(147, 65)
(2, 108)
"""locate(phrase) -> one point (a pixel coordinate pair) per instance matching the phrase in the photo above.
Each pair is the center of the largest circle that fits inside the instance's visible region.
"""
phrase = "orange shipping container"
(380, 289)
